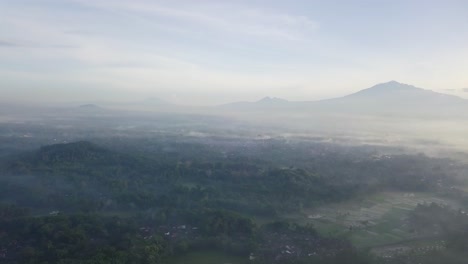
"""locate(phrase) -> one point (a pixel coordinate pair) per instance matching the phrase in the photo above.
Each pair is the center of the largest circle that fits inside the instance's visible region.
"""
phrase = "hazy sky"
(207, 52)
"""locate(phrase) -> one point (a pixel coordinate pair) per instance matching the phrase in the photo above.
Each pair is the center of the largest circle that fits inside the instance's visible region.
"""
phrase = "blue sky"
(208, 52)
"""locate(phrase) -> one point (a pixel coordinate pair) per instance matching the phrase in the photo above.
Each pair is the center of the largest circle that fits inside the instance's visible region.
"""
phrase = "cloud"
(465, 90)
(31, 30)
(79, 32)
(211, 49)
(9, 44)
(223, 18)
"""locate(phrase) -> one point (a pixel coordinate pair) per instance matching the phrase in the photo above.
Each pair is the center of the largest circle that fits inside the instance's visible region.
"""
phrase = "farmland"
(372, 221)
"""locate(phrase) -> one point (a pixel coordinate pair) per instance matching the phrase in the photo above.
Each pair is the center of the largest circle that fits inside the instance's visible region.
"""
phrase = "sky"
(210, 52)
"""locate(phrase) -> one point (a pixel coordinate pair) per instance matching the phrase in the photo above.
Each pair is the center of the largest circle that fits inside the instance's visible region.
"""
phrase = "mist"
(246, 132)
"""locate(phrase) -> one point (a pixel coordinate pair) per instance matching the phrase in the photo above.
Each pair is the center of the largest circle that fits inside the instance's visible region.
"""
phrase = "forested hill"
(73, 155)
(85, 176)
(68, 176)
(81, 151)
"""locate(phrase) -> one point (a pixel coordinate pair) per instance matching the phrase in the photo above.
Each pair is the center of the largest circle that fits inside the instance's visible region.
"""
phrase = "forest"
(84, 202)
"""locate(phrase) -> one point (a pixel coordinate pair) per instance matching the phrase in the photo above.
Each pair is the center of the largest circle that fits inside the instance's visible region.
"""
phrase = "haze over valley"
(241, 132)
(386, 113)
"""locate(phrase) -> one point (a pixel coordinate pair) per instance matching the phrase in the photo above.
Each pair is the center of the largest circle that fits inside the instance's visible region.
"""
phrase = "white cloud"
(215, 50)
(223, 18)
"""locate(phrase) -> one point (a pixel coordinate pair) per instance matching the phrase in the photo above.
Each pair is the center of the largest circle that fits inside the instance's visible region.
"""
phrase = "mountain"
(384, 99)
(262, 104)
(89, 106)
(401, 92)
(271, 100)
(87, 109)
(397, 99)
(385, 88)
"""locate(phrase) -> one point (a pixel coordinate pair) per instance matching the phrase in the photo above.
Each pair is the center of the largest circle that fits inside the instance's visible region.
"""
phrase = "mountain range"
(390, 98)
(385, 99)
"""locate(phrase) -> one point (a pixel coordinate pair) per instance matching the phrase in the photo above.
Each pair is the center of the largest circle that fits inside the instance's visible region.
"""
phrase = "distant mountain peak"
(89, 106)
(272, 100)
(394, 85)
(391, 87)
(393, 95)
(393, 82)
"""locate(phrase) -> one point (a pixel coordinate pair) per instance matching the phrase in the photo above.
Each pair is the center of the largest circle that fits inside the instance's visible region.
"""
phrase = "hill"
(262, 104)
(70, 152)
(89, 106)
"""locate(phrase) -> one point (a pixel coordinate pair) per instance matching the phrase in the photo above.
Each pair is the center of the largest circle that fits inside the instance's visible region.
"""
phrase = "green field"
(371, 221)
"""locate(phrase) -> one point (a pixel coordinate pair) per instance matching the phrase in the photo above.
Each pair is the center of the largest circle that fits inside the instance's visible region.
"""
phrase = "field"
(374, 221)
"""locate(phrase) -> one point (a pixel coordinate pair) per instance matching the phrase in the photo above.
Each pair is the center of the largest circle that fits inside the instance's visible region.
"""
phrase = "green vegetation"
(448, 229)
(207, 257)
(84, 203)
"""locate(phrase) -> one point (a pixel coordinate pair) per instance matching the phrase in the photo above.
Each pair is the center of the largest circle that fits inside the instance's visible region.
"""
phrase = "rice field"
(372, 221)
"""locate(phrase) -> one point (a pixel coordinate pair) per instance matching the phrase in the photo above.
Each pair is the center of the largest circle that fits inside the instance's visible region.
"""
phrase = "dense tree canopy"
(84, 203)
